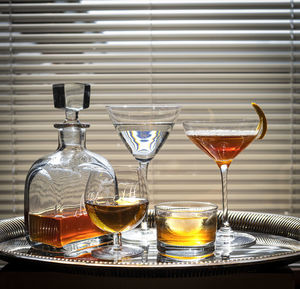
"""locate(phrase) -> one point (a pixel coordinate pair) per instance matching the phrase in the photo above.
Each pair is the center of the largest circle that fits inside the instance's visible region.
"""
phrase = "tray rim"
(287, 257)
(283, 257)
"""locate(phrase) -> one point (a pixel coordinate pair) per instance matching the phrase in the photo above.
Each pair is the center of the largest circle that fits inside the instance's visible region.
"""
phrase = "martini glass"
(223, 140)
(143, 129)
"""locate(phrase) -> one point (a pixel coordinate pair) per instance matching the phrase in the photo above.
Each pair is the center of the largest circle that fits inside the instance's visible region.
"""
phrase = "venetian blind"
(204, 55)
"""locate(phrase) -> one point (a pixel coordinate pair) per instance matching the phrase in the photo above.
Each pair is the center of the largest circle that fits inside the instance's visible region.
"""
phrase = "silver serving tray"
(278, 242)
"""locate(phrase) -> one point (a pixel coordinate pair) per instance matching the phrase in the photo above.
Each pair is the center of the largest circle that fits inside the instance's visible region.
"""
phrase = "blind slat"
(103, 5)
(144, 67)
(164, 56)
(158, 14)
(161, 35)
(155, 25)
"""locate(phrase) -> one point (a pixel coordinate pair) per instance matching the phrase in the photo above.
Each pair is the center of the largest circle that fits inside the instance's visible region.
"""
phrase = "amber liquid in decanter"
(58, 230)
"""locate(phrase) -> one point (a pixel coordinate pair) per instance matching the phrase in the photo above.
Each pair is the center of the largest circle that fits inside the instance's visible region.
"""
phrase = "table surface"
(28, 275)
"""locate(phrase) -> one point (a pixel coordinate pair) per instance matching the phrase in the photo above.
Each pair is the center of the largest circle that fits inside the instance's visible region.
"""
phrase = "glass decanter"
(55, 215)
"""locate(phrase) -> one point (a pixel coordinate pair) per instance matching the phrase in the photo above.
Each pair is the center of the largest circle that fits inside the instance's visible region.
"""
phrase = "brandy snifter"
(116, 209)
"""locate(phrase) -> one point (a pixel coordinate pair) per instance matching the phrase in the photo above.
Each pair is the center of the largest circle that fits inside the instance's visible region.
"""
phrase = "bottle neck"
(71, 136)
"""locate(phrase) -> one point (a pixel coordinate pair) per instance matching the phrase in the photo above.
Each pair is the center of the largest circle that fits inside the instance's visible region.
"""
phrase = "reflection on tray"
(266, 246)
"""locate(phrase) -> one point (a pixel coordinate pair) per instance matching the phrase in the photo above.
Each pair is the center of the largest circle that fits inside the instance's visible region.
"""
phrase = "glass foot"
(228, 238)
(113, 253)
(138, 236)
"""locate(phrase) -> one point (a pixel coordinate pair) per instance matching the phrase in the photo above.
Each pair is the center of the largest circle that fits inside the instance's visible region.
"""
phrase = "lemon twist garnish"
(262, 127)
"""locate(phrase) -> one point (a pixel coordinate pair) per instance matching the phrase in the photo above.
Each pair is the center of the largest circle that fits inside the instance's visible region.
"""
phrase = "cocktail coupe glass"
(115, 207)
(143, 129)
(223, 140)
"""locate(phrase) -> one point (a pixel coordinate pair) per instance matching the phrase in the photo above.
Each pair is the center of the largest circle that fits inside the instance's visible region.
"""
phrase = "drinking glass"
(116, 207)
(223, 140)
(186, 230)
(143, 129)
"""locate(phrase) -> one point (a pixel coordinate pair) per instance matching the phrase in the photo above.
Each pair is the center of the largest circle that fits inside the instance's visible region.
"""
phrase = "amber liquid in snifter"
(186, 231)
(116, 215)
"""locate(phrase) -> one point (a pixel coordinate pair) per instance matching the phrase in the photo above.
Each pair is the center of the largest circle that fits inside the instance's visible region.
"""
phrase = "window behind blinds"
(209, 56)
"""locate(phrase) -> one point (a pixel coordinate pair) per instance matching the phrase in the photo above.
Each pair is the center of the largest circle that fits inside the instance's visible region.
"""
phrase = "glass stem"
(117, 241)
(224, 173)
(143, 183)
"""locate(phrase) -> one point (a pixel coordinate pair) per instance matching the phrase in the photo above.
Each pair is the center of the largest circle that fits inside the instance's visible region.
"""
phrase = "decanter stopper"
(72, 97)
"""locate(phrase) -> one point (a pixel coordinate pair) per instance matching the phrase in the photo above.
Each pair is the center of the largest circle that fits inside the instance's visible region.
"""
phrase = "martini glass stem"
(143, 183)
(224, 173)
(226, 237)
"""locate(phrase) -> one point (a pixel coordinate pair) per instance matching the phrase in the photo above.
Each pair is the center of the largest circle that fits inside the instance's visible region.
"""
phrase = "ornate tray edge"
(278, 258)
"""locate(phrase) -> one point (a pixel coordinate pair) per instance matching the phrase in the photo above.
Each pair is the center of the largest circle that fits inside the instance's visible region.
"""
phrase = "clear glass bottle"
(55, 216)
